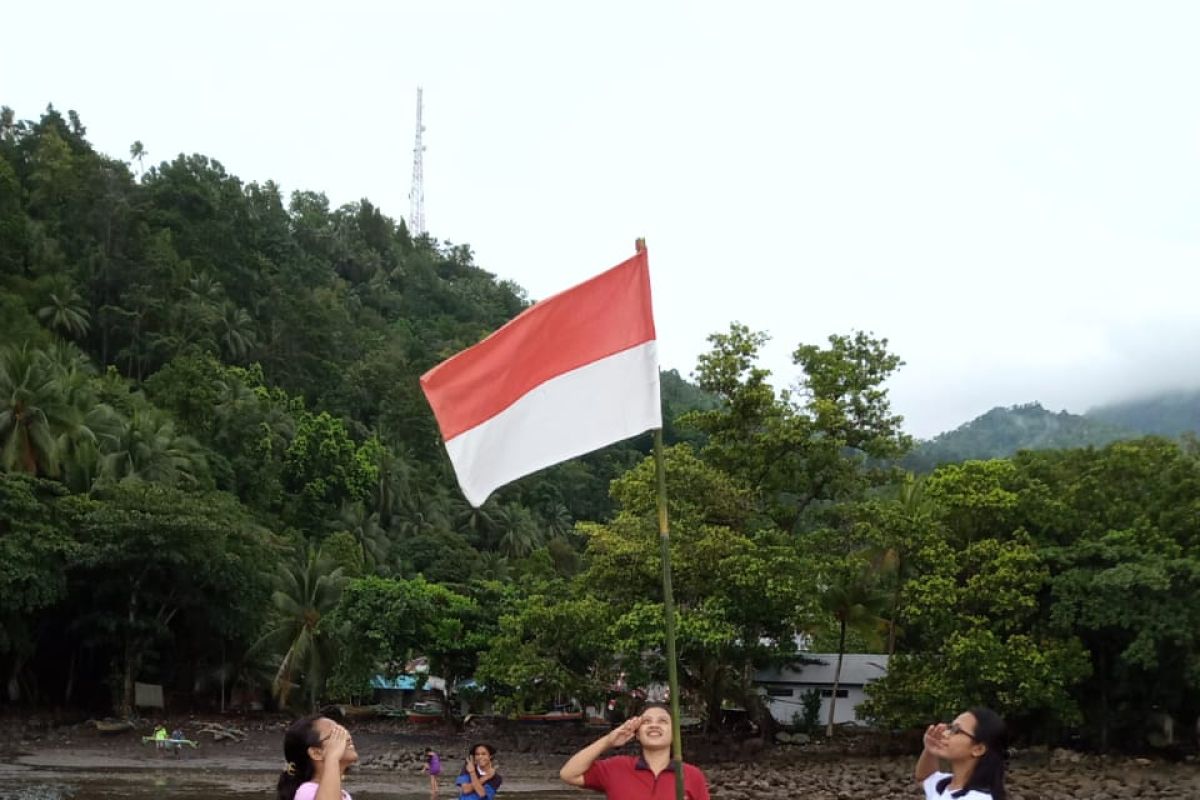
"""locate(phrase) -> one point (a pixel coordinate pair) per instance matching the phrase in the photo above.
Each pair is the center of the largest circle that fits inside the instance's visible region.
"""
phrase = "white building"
(784, 687)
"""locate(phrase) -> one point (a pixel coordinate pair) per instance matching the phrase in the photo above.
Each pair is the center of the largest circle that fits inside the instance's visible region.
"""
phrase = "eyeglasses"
(955, 728)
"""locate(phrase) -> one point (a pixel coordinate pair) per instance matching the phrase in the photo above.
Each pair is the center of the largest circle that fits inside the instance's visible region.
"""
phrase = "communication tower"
(416, 195)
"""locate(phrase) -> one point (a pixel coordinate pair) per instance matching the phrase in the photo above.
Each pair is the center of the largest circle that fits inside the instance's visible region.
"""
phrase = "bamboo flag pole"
(664, 543)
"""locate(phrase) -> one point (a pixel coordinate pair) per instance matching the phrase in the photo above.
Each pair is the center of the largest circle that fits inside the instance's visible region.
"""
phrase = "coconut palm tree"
(34, 411)
(521, 532)
(856, 600)
(64, 311)
(147, 447)
(913, 517)
(364, 526)
(236, 331)
(305, 591)
(396, 466)
(96, 423)
(480, 525)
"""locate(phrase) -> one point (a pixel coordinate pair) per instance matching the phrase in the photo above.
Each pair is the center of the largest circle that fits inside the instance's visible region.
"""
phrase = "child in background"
(433, 766)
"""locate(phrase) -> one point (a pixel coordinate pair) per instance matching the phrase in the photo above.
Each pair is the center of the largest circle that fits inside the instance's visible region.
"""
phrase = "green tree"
(742, 591)
(34, 412)
(306, 591)
(150, 557)
(325, 468)
(147, 447)
(64, 311)
(387, 622)
(800, 452)
(854, 597)
(35, 549)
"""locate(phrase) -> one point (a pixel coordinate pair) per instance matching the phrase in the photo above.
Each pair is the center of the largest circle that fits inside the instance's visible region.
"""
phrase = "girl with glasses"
(973, 746)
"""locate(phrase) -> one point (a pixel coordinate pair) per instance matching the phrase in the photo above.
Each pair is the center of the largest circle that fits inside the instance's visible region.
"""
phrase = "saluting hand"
(934, 735)
(623, 733)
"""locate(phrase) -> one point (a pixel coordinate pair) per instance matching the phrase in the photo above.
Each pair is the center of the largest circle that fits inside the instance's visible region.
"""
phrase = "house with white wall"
(784, 687)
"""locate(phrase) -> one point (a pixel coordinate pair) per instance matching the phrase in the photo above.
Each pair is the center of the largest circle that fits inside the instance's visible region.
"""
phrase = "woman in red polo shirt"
(650, 776)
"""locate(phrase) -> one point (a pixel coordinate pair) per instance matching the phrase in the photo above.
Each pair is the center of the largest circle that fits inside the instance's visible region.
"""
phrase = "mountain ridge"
(1002, 431)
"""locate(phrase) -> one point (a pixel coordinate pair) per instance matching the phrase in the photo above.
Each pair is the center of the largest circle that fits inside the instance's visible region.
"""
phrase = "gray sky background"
(1008, 192)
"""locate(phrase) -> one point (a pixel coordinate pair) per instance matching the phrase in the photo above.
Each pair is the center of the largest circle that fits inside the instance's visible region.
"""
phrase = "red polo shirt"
(629, 778)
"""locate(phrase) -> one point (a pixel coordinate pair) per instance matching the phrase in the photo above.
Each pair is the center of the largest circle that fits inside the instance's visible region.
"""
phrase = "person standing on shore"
(973, 745)
(432, 766)
(650, 776)
(317, 752)
(479, 779)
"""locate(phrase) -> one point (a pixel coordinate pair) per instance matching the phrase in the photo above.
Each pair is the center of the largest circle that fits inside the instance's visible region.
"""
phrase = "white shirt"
(932, 793)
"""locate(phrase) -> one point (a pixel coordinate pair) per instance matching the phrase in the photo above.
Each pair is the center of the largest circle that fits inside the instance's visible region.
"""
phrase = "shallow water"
(30, 786)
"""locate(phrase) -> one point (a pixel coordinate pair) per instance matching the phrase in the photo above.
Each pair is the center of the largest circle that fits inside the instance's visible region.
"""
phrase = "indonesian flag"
(569, 375)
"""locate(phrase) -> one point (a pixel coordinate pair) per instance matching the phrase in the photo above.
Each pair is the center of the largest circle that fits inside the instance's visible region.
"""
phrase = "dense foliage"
(192, 369)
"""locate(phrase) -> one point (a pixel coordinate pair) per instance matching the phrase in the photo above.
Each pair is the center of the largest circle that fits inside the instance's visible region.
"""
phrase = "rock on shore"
(1084, 778)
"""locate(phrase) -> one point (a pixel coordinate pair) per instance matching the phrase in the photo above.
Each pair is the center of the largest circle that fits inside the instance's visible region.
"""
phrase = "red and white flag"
(569, 375)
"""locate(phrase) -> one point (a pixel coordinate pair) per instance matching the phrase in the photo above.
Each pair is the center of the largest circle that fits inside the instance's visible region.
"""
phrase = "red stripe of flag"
(598, 318)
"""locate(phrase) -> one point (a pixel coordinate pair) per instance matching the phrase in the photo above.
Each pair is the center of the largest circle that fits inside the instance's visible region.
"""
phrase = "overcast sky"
(1009, 192)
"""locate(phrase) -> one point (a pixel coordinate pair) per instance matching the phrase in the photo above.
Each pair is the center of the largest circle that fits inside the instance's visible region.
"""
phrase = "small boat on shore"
(112, 725)
(425, 712)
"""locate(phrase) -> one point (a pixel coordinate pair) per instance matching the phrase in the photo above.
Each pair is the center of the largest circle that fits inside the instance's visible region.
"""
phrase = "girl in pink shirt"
(316, 753)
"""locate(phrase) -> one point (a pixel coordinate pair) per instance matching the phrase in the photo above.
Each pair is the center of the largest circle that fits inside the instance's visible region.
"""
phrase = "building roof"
(404, 683)
(817, 669)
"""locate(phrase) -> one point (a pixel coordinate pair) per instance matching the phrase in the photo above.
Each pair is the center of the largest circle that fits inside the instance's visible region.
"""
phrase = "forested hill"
(172, 323)
(1002, 432)
(1164, 414)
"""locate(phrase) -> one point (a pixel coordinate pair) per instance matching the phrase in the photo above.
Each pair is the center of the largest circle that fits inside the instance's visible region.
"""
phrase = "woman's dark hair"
(656, 704)
(298, 767)
(493, 781)
(988, 775)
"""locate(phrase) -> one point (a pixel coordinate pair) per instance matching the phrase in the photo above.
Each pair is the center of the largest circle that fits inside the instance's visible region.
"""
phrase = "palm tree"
(34, 411)
(855, 600)
(147, 447)
(96, 423)
(913, 517)
(396, 466)
(305, 592)
(205, 288)
(480, 524)
(64, 311)
(559, 521)
(424, 512)
(521, 532)
(372, 539)
(236, 331)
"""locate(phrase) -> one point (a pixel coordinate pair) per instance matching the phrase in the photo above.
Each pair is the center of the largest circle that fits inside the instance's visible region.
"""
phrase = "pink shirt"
(308, 791)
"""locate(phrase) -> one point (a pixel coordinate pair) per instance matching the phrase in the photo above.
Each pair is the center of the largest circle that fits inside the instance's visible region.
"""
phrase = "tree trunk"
(127, 683)
(70, 688)
(14, 685)
(1103, 704)
(837, 677)
(127, 696)
(891, 644)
